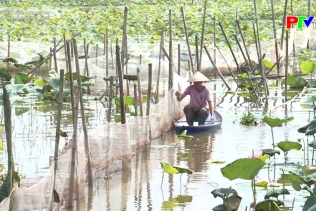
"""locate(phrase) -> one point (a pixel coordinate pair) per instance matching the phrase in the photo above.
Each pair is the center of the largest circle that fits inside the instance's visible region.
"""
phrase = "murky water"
(145, 187)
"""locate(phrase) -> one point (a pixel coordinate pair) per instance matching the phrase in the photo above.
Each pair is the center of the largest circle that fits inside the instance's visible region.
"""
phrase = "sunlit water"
(145, 187)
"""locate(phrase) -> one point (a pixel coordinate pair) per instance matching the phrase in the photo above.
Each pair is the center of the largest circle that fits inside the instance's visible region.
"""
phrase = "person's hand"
(212, 119)
(177, 95)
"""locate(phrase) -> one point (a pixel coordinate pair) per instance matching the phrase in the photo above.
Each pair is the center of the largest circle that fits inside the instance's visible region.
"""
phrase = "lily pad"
(182, 170)
(268, 64)
(5, 75)
(310, 204)
(295, 81)
(224, 192)
(10, 59)
(311, 129)
(276, 193)
(183, 136)
(270, 152)
(168, 168)
(262, 183)
(286, 146)
(244, 168)
(312, 144)
(217, 161)
(308, 67)
(267, 205)
(275, 122)
(220, 207)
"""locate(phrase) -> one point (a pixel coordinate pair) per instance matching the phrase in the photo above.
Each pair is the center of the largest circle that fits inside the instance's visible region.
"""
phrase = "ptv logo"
(300, 21)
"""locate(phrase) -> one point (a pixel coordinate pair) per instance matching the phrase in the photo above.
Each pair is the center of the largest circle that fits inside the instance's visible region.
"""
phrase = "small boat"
(182, 124)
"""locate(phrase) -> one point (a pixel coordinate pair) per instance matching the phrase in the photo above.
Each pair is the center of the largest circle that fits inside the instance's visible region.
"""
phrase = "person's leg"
(202, 115)
(188, 111)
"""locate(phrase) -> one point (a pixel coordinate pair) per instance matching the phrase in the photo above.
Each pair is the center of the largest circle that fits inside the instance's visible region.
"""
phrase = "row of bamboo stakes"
(71, 50)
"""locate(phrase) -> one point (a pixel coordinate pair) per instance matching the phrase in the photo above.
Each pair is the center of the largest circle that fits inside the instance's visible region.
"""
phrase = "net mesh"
(111, 144)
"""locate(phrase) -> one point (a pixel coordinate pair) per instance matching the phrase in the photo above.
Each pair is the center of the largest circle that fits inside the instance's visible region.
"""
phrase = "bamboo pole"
(202, 33)
(275, 37)
(135, 99)
(283, 23)
(198, 64)
(47, 57)
(159, 66)
(139, 93)
(286, 66)
(8, 135)
(55, 57)
(9, 46)
(170, 52)
(179, 59)
(96, 54)
(57, 135)
(214, 40)
(120, 76)
(86, 56)
(230, 48)
(110, 99)
(107, 54)
(219, 72)
(187, 39)
(149, 88)
(83, 119)
(244, 44)
(166, 54)
(50, 61)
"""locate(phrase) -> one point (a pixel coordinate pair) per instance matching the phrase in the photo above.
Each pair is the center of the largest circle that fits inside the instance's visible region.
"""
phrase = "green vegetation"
(43, 21)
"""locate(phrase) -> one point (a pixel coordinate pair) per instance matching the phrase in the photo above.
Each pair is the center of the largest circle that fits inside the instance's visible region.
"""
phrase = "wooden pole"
(170, 52)
(135, 99)
(120, 75)
(110, 99)
(86, 56)
(149, 88)
(8, 135)
(283, 23)
(159, 65)
(202, 33)
(187, 39)
(83, 118)
(9, 40)
(179, 59)
(286, 65)
(139, 93)
(55, 57)
(219, 72)
(198, 64)
(275, 38)
(57, 135)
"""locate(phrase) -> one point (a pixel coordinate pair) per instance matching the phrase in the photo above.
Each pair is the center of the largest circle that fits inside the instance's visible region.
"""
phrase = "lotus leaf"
(224, 192)
(168, 169)
(311, 129)
(215, 161)
(268, 64)
(15, 87)
(244, 168)
(5, 75)
(82, 77)
(22, 66)
(182, 170)
(53, 82)
(265, 205)
(286, 146)
(275, 122)
(303, 129)
(295, 81)
(276, 193)
(312, 144)
(220, 207)
(9, 59)
(308, 67)
(170, 204)
(310, 204)
(130, 77)
(310, 190)
(307, 169)
(183, 198)
(270, 152)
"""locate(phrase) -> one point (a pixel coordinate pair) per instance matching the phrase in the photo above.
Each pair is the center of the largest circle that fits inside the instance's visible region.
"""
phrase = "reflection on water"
(144, 186)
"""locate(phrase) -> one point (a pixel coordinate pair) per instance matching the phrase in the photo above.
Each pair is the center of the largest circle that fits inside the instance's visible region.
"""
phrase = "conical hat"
(198, 76)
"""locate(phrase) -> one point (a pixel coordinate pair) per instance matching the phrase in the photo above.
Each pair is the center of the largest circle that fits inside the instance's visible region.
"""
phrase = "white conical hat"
(198, 76)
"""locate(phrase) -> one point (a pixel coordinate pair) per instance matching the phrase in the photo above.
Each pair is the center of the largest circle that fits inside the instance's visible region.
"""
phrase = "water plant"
(231, 199)
(183, 136)
(247, 118)
(167, 168)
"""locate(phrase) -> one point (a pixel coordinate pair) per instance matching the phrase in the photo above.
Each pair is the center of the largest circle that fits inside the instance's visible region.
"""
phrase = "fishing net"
(112, 145)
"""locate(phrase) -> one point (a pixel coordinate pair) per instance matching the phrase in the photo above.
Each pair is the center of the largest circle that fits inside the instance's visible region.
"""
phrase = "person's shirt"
(199, 99)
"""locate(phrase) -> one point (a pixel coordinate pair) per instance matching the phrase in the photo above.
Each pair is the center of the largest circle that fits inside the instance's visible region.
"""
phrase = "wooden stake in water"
(120, 76)
(139, 93)
(57, 135)
(83, 118)
(202, 33)
(179, 59)
(149, 88)
(187, 40)
(55, 56)
(170, 52)
(86, 56)
(275, 38)
(8, 63)
(198, 64)
(286, 66)
(8, 134)
(110, 99)
(135, 99)
(283, 23)
(159, 65)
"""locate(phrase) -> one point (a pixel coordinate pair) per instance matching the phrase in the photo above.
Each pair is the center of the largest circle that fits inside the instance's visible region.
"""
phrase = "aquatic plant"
(183, 136)
(231, 199)
(167, 168)
(247, 118)
(286, 146)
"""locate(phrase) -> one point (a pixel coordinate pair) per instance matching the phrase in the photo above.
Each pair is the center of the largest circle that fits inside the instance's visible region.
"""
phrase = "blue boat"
(182, 124)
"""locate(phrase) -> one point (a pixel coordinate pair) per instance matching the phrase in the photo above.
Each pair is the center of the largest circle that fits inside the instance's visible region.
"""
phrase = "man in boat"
(201, 100)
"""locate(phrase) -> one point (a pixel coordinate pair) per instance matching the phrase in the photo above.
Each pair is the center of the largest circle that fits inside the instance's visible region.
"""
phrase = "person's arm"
(180, 96)
(211, 107)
